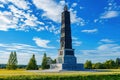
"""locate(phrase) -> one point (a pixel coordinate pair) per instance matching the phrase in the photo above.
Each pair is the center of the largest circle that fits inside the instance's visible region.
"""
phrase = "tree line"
(46, 61)
(108, 64)
(32, 64)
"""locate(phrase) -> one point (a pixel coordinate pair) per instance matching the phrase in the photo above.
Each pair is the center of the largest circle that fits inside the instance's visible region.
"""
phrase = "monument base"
(67, 62)
(70, 67)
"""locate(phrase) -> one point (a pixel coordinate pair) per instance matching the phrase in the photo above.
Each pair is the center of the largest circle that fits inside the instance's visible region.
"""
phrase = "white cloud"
(42, 43)
(62, 3)
(40, 29)
(22, 54)
(101, 53)
(41, 23)
(110, 14)
(6, 21)
(75, 19)
(109, 47)
(1, 5)
(22, 4)
(74, 4)
(22, 18)
(74, 38)
(90, 31)
(106, 40)
(3, 1)
(77, 43)
(53, 11)
(111, 11)
(95, 20)
(81, 7)
(17, 47)
(29, 22)
(18, 19)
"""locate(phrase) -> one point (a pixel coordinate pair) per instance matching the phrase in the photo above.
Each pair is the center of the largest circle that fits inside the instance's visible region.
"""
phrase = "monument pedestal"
(67, 62)
(70, 67)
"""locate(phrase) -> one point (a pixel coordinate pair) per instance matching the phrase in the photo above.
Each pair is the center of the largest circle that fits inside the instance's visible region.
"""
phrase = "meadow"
(21, 74)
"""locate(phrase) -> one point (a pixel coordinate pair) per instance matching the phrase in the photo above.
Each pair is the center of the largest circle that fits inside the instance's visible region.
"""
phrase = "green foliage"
(32, 65)
(98, 66)
(117, 62)
(110, 64)
(12, 62)
(46, 61)
(45, 64)
(54, 61)
(88, 65)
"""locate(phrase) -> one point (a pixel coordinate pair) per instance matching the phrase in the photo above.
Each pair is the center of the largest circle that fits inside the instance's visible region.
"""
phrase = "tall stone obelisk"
(66, 59)
(66, 53)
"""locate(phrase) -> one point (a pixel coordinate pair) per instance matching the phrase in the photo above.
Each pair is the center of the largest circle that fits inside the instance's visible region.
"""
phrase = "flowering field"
(112, 74)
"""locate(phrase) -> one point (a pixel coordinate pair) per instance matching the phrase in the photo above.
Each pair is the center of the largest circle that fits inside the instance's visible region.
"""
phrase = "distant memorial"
(66, 59)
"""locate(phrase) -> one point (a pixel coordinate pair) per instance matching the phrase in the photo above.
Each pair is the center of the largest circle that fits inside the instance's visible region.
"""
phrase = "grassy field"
(112, 74)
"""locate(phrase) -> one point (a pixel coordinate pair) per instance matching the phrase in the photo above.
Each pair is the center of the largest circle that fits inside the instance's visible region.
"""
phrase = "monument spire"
(65, 8)
(66, 41)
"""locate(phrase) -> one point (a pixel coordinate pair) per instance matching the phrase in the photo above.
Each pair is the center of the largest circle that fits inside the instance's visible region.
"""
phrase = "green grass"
(109, 74)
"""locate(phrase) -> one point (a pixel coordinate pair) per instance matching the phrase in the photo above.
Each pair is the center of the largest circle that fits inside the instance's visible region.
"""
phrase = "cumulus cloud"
(42, 43)
(90, 31)
(21, 16)
(53, 11)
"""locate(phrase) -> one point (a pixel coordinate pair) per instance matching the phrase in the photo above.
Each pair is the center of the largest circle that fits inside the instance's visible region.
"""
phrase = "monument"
(66, 59)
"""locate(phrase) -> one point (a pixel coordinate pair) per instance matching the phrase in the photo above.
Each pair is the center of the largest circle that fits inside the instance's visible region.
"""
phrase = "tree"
(46, 61)
(54, 61)
(98, 66)
(45, 64)
(32, 65)
(88, 64)
(49, 61)
(110, 64)
(12, 61)
(117, 62)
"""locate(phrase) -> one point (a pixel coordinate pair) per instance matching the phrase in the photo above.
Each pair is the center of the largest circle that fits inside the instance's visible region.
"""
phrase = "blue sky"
(33, 27)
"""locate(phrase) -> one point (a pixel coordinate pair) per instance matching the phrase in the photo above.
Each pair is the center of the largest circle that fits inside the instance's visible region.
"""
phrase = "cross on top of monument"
(65, 8)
